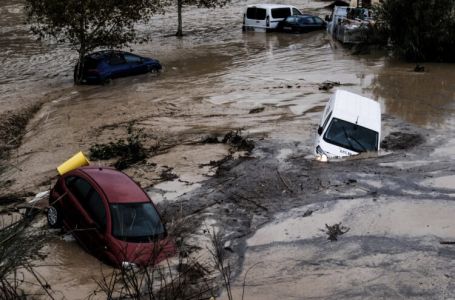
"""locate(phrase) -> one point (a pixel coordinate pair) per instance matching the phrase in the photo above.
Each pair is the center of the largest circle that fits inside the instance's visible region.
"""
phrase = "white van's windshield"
(351, 136)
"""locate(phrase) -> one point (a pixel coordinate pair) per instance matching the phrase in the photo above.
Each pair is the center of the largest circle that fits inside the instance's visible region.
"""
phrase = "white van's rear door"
(255, 18)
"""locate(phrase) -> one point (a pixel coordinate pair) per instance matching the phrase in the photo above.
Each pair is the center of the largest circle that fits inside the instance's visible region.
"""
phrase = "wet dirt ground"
(272, 204)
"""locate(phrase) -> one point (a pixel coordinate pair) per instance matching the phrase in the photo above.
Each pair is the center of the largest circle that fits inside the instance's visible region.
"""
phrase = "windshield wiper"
(359, 143)
(349, 138)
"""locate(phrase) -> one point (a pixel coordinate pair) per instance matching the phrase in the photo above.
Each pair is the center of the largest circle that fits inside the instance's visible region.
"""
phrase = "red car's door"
(71, 208)
(80, 213)
(96, 220)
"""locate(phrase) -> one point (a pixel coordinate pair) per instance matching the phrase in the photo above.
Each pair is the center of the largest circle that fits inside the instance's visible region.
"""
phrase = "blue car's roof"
(103, 53)
(303, 16)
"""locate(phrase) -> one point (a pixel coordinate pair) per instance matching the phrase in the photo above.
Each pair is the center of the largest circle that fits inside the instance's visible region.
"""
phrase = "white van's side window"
(296, 12)
(326, 120)
(256, 13)
(281, 13)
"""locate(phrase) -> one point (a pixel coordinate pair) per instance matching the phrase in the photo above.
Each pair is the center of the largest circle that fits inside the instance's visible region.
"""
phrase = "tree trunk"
(179, 17)
(79, 67)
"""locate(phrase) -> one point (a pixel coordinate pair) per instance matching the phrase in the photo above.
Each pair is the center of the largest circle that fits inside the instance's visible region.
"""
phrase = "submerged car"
(350, 124)
(350, 25)
(110, 216)
(301, 24)
(266, 17)
(100, 67)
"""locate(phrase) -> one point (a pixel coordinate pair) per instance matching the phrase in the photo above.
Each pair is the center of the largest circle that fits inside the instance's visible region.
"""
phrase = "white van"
(265, 17)
(350, 124)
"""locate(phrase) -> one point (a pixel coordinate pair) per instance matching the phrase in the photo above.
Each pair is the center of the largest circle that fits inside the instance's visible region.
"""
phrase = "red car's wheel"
(54, 217)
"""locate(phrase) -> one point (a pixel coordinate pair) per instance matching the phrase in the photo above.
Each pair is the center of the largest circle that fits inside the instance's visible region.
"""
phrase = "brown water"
(212, 78)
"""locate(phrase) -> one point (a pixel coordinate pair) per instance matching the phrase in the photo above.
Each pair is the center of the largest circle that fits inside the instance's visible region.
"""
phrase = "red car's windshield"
(136, 222)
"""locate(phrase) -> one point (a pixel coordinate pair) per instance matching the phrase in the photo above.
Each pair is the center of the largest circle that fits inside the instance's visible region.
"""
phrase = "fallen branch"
(335, 230)
(447, 242)
(284, 182)
(251, 201)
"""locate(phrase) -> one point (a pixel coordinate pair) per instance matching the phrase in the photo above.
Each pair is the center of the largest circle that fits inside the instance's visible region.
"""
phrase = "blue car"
(301, 24)
(100, 67)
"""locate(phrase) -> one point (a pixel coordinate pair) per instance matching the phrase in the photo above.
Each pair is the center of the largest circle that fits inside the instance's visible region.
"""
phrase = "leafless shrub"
(19, 244)
(221, 263)
(335, 230)
(12, 127)
(179, 277)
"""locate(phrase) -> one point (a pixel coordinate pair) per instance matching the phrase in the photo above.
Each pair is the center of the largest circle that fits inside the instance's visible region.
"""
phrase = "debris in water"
(328, 85)
(256, 110)
(12, 198)
(167, 174)
(307, 213)
(40, 197)
(335, 230)
(76, 161)
(235, 139)
(447, 242)
(419, 68)
(210, 140)
(232, 138)
(401, 140)
(217, 163)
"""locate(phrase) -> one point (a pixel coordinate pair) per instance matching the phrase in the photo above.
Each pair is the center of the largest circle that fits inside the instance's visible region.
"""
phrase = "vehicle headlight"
(128, 265)
(320, 155)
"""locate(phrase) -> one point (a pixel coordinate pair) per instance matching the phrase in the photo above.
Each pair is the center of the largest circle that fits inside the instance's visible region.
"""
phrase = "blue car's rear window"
(90, 63)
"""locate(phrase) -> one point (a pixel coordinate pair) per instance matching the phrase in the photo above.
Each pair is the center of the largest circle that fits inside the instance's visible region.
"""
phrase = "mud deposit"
(268, 197)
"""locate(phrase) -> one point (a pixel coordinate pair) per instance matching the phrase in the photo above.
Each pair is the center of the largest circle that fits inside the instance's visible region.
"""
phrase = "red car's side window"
(89, 199)
(79, 187)
(96, 209)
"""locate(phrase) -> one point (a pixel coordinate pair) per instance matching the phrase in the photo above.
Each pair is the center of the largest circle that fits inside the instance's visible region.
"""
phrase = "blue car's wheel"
(106, 80)
(155, 68)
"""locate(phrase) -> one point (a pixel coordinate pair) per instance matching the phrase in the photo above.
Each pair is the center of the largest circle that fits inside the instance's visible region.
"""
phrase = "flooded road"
(212, 79)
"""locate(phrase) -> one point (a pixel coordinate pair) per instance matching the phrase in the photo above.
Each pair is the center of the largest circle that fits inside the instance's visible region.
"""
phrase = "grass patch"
(12, 128)
(128, 152)
(232, 138)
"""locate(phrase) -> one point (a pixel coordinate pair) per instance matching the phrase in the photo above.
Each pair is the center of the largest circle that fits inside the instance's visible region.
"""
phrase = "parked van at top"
(351, 124)
(265, 17)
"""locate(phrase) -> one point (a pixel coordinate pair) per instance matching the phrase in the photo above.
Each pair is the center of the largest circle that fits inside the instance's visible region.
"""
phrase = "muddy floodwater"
(272, 204)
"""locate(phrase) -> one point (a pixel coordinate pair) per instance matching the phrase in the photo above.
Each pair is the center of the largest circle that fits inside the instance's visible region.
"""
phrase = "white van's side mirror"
(320, 130)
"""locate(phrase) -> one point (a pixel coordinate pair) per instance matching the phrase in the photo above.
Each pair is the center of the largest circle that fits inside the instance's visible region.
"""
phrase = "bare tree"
(198, 3)
(89, 24)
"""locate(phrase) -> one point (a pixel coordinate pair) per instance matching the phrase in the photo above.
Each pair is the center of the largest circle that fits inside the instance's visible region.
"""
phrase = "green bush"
(419, 30)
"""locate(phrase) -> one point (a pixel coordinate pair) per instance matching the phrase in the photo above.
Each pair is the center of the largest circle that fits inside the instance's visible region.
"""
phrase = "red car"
(110, 216)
